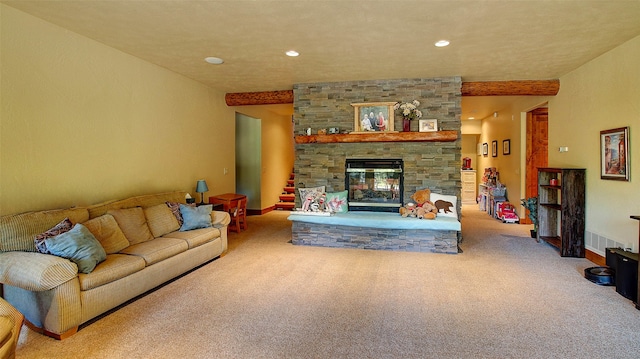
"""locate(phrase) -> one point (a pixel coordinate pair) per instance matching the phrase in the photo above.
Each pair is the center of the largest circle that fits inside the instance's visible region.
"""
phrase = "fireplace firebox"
(374, 184)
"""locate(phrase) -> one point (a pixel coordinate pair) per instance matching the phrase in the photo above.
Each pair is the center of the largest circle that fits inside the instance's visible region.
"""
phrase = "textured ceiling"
(351, 40)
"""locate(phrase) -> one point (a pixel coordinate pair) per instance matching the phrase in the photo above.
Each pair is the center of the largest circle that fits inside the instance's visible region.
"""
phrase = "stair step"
(285, 205)
(290, 189)
(291, 182)
(292, 176)
(288, 197)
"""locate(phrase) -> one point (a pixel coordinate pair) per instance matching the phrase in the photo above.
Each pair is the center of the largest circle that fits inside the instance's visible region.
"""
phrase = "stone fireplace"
(430, 164)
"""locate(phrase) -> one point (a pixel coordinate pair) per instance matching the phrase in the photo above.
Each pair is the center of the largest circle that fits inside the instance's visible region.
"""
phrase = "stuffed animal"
(427, 211)
(426, 208)
(409, 210)
(423, 208)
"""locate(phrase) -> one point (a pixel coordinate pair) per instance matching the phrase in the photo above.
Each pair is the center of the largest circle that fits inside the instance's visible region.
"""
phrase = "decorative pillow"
(133, 224)
(175, 209)
(160, 220)
(64, 226)
(446, 205)
(314, 192)
(106, 230)
(79, 246)
(337, 202)
(195, 217)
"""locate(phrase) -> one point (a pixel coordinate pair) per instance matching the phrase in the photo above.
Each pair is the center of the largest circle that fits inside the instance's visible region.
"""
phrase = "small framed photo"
(428, 125)
(494, 148)
(485, 149)
(506, 147)
(373, 117)
(614, 154)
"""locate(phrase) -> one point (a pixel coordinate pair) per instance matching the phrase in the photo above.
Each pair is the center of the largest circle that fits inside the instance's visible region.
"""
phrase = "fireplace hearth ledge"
(377, 230)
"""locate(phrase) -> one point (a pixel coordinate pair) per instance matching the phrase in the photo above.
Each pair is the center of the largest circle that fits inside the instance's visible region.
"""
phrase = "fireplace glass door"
(374, 185)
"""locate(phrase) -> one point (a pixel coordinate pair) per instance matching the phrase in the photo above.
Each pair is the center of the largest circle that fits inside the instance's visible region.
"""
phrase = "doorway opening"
(537, 152)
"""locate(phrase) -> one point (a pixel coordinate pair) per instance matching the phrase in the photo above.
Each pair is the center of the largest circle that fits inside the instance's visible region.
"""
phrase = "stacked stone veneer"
(432, 165)
(408, 240)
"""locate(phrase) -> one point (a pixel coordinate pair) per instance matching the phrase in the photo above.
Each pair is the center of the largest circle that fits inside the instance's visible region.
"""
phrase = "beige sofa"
(55, 298)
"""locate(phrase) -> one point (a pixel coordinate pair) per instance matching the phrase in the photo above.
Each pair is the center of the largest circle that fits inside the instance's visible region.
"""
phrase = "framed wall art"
(506, 147)
(428, 125)
(494, 148)
(485, 149)
(373, 117)
(614, 154)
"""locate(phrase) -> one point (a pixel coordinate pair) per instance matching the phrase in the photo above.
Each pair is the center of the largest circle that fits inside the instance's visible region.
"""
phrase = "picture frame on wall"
(614, 154)
(506, 147)
(485, 149)
(494, 148)
(428, 125)
(371, 117)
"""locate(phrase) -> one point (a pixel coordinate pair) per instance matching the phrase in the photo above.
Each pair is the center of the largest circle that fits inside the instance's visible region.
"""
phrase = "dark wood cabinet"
(561, 209)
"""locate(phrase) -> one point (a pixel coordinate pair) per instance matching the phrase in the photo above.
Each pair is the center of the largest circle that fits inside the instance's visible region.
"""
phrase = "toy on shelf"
(507, 213)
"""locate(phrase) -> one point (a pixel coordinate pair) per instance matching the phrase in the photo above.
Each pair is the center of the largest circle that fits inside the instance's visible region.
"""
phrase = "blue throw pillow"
(78, 245)
(195, 217)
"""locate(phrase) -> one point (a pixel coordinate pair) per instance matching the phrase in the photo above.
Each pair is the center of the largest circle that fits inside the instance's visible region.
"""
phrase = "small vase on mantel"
(406, 125)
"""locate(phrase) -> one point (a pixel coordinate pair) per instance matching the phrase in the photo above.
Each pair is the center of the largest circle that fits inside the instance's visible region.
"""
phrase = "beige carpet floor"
(506, 296)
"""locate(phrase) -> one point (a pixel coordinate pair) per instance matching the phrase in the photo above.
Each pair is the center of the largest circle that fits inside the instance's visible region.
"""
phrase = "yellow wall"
(83, 123)
(277, 149)
(508, 126)
(602, 94)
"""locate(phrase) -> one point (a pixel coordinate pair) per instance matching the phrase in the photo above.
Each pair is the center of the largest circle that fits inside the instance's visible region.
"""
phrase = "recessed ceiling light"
(472, 118)
(442, 43)
(214, 60)
(292, 53)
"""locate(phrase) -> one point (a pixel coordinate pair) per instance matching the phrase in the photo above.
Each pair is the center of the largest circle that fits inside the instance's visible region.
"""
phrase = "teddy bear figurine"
(426, 208)
(423, 208)
(409, 210)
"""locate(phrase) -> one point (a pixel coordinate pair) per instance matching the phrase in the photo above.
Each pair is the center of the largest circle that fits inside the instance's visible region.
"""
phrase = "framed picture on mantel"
(373, 117)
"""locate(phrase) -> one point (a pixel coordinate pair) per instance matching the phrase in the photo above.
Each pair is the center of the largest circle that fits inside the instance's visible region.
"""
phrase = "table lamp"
(201, 187)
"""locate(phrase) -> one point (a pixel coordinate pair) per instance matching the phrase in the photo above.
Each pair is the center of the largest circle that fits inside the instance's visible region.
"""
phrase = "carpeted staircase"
(288, 196)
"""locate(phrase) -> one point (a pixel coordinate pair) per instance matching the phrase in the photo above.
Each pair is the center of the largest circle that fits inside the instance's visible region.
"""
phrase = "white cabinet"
(468, 194)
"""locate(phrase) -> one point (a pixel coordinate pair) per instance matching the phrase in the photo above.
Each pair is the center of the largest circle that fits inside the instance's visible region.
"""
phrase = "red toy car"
(507, 213)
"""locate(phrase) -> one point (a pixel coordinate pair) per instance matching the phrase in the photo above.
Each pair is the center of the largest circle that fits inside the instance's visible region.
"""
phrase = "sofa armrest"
(35, 271)
(220, 218)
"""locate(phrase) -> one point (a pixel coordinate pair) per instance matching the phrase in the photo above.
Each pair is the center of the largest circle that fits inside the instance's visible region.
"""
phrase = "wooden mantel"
(437, 136)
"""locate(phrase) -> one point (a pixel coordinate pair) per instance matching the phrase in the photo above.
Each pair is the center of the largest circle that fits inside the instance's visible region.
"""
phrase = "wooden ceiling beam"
(259, 98)
(487, 88)
(511, 88)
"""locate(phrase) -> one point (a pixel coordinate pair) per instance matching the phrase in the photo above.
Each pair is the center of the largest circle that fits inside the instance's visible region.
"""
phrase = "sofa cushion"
(17, 231)
(79, 246)
(160, 220)
(195, 217)
(196, 237)
(64, 226)
(108, 233)
(133, 224)
(156, 250)
(143, 201)
(116, 266)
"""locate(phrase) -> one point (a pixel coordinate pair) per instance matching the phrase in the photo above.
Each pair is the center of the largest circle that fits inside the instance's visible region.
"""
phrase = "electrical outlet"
(225, 171)
(564, 149)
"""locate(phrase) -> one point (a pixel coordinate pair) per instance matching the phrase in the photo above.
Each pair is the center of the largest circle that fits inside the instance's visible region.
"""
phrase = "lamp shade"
(201, 186)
